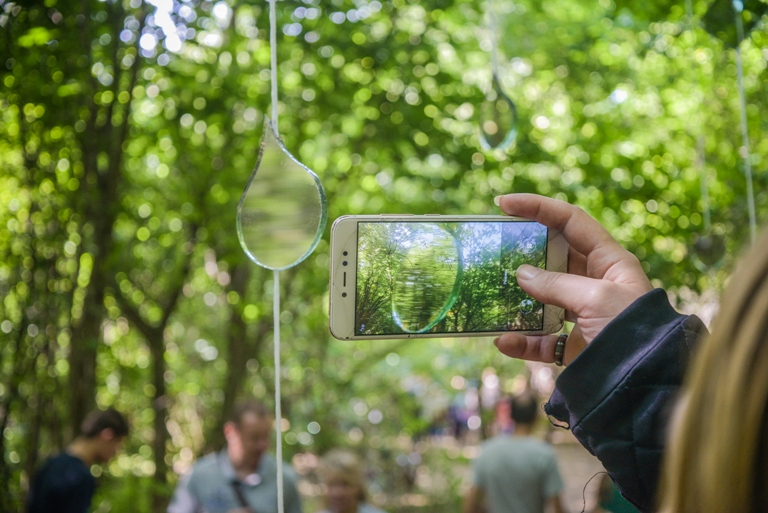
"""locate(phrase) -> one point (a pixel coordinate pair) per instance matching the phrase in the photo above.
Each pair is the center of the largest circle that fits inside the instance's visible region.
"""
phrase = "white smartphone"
(402, 276)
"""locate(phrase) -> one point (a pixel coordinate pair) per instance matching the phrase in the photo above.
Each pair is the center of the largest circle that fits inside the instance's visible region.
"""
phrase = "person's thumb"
(560, 289)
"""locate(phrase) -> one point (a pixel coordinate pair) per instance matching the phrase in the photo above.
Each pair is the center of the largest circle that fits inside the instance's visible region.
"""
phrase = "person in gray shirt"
(516, 473)
(242, 478)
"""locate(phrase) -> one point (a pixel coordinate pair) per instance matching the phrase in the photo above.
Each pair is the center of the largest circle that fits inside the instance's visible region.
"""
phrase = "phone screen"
(446, 277)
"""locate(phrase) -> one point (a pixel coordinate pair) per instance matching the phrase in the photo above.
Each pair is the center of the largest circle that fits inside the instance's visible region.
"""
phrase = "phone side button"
(395, 215)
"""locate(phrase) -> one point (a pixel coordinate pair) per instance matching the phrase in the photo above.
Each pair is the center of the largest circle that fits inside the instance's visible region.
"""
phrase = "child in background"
(343, 477)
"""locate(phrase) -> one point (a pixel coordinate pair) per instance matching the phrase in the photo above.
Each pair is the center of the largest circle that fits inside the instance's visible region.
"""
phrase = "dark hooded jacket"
(618, 394)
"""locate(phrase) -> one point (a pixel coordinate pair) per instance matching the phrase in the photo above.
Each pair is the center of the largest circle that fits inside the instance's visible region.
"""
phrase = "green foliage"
(420, 277)
(121, 165)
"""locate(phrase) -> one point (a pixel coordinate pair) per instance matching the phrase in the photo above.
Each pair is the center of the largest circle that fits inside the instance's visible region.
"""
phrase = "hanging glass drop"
(428, 279)
(708, 250)
(526, 306)
(283, 210)
(498, 119)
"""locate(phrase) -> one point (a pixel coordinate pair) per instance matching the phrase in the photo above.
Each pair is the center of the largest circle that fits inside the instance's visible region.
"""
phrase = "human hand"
(603, 278)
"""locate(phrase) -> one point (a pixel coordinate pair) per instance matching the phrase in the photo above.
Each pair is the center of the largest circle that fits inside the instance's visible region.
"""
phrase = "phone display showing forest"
(446, 277)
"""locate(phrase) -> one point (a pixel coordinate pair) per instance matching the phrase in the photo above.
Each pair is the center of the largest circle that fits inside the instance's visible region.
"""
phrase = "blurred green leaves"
(37, 36)
(123, 155)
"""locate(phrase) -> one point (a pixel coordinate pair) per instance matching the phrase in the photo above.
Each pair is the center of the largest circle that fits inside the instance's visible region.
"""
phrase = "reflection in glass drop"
(498, 119)
(283, 210)
(526, 306)
(708, 250)
(428, 280)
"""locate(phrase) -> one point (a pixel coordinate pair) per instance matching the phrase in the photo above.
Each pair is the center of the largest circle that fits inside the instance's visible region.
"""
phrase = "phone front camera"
(344, 262)
(343, 294)
(345, 253)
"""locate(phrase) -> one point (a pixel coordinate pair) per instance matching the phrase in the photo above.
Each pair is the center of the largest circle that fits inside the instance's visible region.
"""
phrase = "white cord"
(273, 60)
(745, 152)
(494, 40)
(276, 274)
(278, 411)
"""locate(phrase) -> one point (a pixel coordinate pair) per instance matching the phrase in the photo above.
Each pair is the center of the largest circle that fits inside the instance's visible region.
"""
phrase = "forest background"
(128, 130)
(446, 277)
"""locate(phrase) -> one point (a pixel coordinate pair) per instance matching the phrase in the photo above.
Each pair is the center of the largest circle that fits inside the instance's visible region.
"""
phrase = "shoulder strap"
(237, 488)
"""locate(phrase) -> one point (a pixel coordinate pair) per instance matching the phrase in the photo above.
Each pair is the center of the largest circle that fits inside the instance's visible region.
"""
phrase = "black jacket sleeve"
(617, 395)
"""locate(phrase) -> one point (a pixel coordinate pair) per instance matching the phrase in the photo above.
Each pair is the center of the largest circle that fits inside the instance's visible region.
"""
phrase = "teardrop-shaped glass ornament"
(498, 119)
(708, 251)
(428, 280)
(283, 210)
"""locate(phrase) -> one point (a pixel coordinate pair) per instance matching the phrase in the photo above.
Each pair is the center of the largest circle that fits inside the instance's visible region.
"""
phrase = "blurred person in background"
(243, 476)
(344, 480)
(516, 473)
(64, 483)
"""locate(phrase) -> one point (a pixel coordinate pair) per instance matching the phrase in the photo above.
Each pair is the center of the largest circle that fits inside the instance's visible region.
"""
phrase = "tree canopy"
(128, 130)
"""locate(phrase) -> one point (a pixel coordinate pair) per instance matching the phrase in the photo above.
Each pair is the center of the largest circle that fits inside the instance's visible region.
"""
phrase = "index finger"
(581, 231)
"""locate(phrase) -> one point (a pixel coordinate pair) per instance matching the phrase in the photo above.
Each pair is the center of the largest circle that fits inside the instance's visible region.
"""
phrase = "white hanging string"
(744, 150)
(273, 60)
(278, 409)
(494, 40)
(276, 274)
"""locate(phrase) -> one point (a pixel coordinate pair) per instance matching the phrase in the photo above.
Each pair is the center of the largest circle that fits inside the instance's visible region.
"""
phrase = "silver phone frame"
(344, 238)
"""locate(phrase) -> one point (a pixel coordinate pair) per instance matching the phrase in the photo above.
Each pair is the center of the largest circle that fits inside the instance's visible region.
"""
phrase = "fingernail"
(497, 200)
(527, 272)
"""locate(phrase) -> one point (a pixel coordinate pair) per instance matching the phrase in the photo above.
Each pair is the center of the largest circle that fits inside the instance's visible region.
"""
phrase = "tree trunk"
(100, 207)
(239, 351)
(238, 354)
(7, 501)
(155, 338)
(82, 363)
(160, 407)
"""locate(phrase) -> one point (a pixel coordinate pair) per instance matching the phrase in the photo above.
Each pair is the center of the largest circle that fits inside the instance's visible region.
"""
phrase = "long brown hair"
(717, 455)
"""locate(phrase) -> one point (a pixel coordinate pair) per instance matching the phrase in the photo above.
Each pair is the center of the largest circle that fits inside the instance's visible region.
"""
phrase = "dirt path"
(577, 466)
